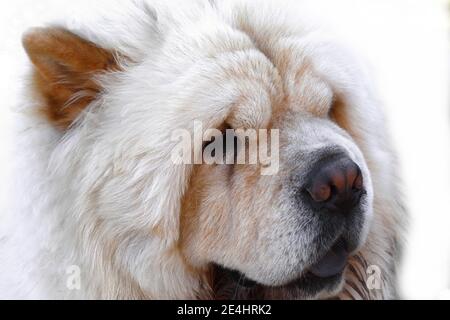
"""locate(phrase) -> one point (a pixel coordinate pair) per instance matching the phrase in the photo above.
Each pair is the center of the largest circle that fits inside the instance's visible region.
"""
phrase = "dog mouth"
(323, 275)
(333, 262)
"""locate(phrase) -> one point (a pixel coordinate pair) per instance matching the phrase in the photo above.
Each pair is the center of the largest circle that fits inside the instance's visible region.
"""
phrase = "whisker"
(237, 287)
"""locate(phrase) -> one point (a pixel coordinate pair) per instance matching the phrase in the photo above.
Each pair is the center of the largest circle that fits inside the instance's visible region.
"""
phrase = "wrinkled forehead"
(292, 86)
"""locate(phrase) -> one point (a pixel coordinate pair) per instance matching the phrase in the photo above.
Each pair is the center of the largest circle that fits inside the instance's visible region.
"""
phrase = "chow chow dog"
(99, 210)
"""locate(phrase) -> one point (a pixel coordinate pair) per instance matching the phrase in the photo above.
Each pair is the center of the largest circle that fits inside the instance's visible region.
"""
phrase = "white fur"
(67, 199)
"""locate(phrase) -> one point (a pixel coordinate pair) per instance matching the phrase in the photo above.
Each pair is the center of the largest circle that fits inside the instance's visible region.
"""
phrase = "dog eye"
(229, 143)
(213, 144)
(335, 108)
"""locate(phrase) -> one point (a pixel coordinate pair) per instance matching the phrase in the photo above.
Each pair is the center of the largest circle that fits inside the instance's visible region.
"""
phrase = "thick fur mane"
(68, 205)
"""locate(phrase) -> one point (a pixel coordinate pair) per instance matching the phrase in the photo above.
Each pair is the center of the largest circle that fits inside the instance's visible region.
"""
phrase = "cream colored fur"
(105, 196)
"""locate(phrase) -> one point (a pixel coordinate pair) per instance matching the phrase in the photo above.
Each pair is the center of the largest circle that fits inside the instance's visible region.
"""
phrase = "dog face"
(285, 235)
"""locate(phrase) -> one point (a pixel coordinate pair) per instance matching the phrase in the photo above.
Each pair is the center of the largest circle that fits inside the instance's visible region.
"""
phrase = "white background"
(407, 45)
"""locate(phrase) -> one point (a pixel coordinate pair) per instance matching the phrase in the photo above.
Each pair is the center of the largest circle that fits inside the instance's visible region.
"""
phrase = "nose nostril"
(353, 176)
(320, 192)
(335, 184)
(358, 183)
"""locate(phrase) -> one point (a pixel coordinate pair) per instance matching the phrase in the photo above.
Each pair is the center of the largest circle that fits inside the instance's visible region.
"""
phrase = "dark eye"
(229, 143)
(335, 108)
(211, 146)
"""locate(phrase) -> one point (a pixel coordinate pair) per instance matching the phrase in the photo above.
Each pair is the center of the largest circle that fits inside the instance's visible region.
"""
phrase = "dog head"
(287, 234)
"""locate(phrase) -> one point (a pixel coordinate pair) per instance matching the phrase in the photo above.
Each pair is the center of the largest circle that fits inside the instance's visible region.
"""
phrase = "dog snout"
(335, 184)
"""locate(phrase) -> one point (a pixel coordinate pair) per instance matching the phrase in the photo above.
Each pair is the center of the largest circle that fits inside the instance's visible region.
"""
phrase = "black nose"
(335, 184)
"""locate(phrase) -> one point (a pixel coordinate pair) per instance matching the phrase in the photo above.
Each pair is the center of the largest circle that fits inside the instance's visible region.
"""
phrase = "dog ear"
(64, 69)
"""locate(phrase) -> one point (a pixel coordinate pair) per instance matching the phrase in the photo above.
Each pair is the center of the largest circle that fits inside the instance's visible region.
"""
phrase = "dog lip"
(241, 279)
(328, 268)
(333, 262)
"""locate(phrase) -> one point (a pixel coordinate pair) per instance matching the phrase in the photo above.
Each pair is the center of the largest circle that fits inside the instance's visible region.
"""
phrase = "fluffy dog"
(100, 211)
